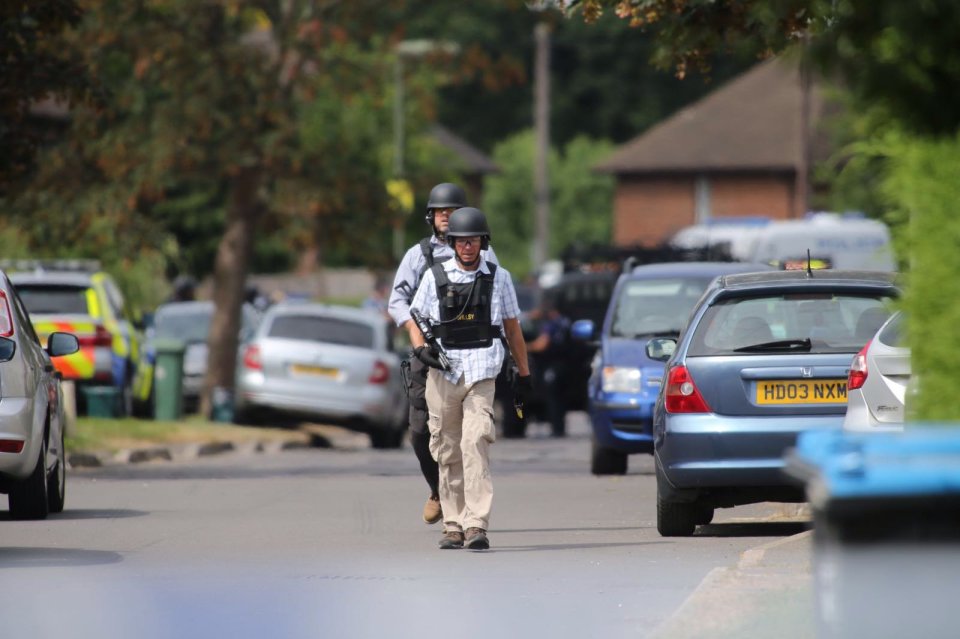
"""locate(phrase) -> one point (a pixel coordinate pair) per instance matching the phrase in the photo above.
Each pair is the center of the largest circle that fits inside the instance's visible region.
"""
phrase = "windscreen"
(893, 333)
(653, 307)
(807, 322)
(61, 300)
(189, 327)
(329, 330)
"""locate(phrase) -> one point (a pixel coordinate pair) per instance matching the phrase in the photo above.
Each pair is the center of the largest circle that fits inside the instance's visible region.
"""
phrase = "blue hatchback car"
(653, 300)
(764, 358)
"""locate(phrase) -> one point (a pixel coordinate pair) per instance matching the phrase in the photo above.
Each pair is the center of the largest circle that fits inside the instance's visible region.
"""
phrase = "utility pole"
(541, 117)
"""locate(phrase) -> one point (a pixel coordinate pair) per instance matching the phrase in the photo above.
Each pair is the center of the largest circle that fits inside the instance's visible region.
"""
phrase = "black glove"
(428, 355)
(522, 388)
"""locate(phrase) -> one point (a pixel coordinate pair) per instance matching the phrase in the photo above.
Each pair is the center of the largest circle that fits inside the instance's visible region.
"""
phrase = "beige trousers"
(461, 431)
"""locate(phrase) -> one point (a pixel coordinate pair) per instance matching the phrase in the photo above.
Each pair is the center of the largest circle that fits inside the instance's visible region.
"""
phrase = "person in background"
(470, 303)
(549, 350)
(443, 200)
(380, 296)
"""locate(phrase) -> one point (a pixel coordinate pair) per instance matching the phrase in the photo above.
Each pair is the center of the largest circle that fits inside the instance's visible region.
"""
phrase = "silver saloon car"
(879, 381)
(32, 459)
(764, 357)
(329, 363)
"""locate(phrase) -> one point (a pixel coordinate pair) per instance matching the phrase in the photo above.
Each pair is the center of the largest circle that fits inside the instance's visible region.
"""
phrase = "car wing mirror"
(7, 349)
(62, 344)
(661, 349)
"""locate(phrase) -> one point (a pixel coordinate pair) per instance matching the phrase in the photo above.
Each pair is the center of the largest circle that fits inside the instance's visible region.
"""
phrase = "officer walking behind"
(549, 352)
(468, 301)
(444, 199)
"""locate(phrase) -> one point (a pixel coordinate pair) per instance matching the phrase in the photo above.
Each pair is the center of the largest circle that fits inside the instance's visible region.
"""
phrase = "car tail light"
(682, 395)
(251, 358)
(11, 445)
(6, 317)
(380, 373)
(101, 337)
(858, 369)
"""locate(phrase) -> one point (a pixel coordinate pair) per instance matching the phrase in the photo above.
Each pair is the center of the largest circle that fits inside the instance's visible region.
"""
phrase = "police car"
(77, 297)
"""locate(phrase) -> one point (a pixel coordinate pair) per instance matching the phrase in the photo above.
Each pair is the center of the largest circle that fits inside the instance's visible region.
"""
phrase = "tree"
(899, 54)
(212, 101)
(33, 67)
(580, 200)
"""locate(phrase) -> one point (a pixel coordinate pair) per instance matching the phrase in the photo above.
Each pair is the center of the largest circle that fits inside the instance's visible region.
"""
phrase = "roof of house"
(474, 160)
(751, 123)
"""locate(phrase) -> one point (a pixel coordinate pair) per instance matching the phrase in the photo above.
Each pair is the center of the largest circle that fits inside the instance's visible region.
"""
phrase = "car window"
(322, 329)
(114, 298)
(23, 319)
(892, 333)
(645, 307)
(827, 320)
(54, 299)
(189, 327)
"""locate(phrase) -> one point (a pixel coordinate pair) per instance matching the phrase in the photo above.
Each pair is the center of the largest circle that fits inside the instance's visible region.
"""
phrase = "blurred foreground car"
(764, 358)
(77, 297)
(32, 463)
(649, 301)
(329, 363)
(190, 323)
(879, 379)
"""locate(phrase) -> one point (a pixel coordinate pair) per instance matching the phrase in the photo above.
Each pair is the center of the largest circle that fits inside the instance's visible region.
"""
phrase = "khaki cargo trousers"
(461, 431)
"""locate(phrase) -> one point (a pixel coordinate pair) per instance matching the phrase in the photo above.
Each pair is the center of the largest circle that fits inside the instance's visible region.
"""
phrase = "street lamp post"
(407, 49)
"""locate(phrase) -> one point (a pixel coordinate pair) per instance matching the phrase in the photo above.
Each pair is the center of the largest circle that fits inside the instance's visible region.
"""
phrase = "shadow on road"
(755, 529)
(88, 513)
(541, 547)
(549, 530)
(55, 557)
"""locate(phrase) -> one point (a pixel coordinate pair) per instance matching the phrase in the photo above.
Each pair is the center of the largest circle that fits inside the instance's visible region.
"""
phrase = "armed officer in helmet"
(433, 249)
(470, 303)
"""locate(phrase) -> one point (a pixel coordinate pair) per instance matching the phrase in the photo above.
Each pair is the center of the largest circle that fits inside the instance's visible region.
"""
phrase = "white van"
(841, 242)
(834, 241)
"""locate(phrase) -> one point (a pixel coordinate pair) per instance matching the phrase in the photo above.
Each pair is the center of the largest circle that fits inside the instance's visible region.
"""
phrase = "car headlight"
(618, 379)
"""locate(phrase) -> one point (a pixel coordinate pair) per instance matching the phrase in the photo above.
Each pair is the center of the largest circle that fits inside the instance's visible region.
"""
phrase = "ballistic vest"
(426, 247)
(465, 310)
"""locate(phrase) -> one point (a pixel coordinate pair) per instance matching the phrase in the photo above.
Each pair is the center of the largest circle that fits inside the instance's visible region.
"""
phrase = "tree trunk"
(229, 280)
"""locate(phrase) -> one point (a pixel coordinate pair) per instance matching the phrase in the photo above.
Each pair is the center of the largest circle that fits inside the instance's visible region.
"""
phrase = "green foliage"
(581, 201)
(922, 184)
(34, 67)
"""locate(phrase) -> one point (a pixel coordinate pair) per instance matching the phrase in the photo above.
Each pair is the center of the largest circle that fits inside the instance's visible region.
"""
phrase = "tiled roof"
(751, 123)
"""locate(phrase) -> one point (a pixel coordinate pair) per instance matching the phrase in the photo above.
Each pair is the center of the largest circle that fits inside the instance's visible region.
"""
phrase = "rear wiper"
(779, 345)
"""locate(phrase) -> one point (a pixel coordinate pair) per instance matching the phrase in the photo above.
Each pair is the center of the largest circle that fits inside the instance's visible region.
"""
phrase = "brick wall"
(649, 209)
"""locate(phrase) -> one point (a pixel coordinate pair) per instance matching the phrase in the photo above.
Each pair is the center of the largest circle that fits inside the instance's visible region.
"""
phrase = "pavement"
(768, 593)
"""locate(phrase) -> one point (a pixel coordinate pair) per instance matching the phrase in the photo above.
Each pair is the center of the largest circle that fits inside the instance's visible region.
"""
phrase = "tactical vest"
(465, 310)
(426, 247)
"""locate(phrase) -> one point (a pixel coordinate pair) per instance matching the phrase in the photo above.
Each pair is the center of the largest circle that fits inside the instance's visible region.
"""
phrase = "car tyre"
(28, 499)
(383, 439)
(677, 519)
(57, 482)
(607, 461)
(705, 515)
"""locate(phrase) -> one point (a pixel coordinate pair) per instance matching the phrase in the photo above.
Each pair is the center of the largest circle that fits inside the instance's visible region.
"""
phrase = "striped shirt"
(475, 364)
(408, 276)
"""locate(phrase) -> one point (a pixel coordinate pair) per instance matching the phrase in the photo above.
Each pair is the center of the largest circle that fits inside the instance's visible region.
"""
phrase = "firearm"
(424, 325)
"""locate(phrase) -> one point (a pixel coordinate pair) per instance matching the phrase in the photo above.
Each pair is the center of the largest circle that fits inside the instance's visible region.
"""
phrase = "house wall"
(649, 209)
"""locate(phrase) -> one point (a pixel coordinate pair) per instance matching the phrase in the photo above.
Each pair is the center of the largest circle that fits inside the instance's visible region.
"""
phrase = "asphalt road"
(329, 543)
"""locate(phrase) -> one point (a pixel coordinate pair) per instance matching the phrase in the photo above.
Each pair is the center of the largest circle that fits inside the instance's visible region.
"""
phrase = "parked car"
(320, 362)
(33, 468)
(648, 301)
(765, 357)
(879, 379)
(190, 323)
(77, 297)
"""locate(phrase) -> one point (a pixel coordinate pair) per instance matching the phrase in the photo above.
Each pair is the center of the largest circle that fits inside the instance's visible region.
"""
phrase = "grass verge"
(111, 435)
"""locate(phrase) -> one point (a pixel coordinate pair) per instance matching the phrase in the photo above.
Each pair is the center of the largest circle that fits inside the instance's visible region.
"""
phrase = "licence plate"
(321, 371)
(802, 391)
